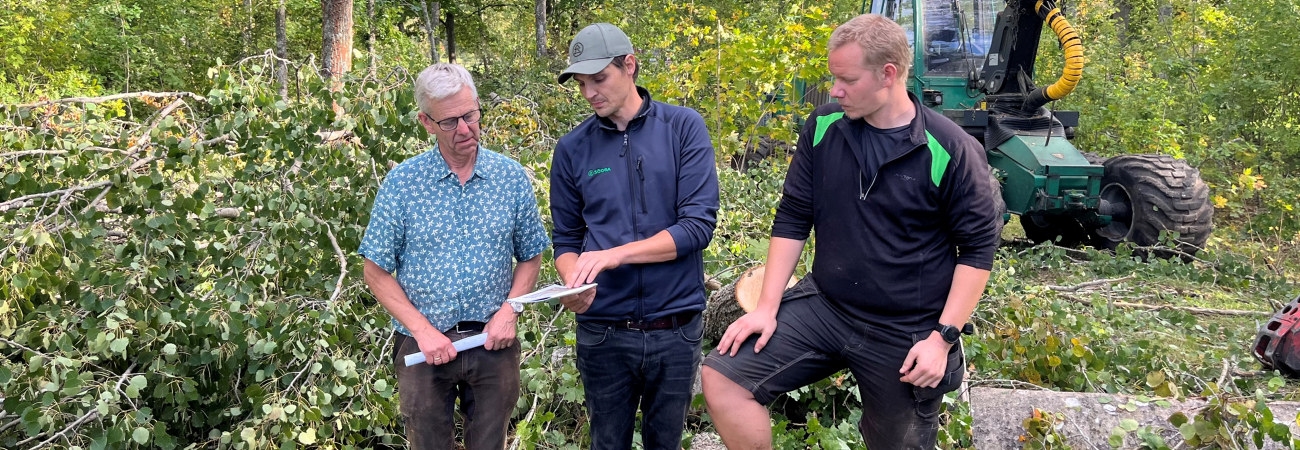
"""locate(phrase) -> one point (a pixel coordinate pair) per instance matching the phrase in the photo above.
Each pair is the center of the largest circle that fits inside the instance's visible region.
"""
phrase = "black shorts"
(813, 340)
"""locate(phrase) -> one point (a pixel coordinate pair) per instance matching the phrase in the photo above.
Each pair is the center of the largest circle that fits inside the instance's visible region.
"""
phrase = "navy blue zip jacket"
(889, 236)
(610, 187)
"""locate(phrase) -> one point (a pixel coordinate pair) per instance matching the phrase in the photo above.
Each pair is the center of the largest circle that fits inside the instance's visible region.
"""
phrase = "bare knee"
(721, 390)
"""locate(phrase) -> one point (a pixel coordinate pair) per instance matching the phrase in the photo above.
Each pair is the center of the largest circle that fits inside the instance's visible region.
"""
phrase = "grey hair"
(440, 81)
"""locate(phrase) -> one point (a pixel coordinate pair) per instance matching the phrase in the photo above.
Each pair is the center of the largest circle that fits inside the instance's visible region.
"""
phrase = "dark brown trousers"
(485, 382)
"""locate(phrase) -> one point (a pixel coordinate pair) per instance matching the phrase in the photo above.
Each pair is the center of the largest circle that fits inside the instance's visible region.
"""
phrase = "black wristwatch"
(951, 334)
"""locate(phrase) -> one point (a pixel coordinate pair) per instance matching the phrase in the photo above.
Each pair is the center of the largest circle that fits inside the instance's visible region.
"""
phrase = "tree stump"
(734, 300)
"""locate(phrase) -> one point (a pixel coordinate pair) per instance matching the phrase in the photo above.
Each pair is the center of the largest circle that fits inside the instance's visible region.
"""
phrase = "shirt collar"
(440, 168)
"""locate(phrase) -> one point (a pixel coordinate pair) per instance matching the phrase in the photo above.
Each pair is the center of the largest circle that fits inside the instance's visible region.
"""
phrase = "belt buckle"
(632, 325)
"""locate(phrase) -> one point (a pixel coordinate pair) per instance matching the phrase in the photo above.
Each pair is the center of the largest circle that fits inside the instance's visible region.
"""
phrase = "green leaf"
(41, 239)
(140, 435)
(137, 384)
(1128, 425)
(1178, 419)
(119, 345)
(307, 437)
(1116, 439)
(20, 280)
(1155, 378)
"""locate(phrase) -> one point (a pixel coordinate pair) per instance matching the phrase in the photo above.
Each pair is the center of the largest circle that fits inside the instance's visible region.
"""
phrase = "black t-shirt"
(878, 143)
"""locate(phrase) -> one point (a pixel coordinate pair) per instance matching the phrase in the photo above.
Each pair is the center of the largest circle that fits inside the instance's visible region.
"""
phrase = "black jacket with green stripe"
(889, 237)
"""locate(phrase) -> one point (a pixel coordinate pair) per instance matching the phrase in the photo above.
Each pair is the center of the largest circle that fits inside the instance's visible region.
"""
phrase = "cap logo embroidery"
(576, 51)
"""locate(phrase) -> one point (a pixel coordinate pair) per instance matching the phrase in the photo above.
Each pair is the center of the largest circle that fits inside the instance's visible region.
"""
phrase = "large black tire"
(1064, 231)
(755, 153)
(1147, 194)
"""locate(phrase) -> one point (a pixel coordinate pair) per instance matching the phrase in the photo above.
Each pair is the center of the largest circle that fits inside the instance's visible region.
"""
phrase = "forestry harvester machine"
(974, 62)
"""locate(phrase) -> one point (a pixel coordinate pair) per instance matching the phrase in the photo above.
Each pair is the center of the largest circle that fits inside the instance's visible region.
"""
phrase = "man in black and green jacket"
(902, 204)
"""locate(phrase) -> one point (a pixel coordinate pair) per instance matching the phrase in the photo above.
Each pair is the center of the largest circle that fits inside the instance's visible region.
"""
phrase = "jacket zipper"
(862, 195)
(633, 189)
(641, 187)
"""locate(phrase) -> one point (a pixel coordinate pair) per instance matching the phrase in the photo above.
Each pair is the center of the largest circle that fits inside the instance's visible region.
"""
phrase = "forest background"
(185, 184)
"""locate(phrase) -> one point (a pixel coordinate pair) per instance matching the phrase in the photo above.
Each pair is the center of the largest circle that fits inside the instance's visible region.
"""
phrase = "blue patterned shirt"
(453, 247)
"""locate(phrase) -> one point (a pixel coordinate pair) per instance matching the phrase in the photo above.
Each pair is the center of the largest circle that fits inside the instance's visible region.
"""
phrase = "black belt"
(662, 323)
(467, 327)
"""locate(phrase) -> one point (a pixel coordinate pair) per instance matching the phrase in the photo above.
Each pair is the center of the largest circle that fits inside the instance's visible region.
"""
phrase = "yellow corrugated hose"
(1072, 46)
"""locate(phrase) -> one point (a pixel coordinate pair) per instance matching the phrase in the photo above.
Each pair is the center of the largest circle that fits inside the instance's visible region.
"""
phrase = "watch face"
(950, 333)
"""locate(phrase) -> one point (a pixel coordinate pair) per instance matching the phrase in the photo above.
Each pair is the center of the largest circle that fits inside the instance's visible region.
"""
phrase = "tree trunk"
(282, 50)
(1084, 419)
(449, 27)
(246, 34)
(337, 34)
(540, 24)
(429, 26)
(370, 38)
(734, 300)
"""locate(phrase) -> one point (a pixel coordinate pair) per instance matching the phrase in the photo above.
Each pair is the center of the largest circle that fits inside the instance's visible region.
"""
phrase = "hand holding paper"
(540, 295)
(464, 344)
(549, 292)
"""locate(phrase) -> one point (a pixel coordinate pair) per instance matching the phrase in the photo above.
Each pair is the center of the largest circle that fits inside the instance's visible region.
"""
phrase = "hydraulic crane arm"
(1015, 46)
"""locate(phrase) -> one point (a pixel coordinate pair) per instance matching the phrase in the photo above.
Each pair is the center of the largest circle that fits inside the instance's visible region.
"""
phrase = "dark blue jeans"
(624, 369)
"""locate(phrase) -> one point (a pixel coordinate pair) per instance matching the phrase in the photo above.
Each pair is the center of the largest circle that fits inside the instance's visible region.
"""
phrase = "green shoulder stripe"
(823, 124)
(938, 159)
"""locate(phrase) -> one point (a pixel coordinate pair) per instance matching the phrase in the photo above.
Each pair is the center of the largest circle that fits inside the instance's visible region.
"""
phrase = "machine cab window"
(955, 34)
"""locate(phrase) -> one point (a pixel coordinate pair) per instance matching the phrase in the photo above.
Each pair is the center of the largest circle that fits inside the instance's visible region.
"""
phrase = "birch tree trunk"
(540, 24)
(246, 34)
(282, 49)
(429, 26)
(370, 37)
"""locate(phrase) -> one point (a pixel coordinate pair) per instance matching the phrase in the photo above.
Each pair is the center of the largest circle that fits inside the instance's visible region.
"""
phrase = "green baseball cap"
(593, 48)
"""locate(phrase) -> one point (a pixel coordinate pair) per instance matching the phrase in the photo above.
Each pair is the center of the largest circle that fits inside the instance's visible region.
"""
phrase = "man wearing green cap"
(634, 198)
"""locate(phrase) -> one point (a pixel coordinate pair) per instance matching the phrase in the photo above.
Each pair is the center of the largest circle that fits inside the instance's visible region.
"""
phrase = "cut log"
(1087, 419)
(734, 300)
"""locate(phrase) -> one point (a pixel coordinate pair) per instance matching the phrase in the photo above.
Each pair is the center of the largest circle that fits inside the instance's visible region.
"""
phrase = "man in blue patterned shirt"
(453, 233)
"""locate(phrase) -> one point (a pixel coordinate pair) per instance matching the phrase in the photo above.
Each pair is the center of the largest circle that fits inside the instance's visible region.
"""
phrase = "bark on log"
(998, 416)
(734, 300)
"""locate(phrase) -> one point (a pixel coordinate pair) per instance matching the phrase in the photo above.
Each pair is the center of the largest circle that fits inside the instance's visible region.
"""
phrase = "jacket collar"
(917, 126)
(916, 135)
(645, 110)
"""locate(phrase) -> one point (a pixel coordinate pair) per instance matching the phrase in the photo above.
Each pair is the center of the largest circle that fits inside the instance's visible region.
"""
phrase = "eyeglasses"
(449, 124)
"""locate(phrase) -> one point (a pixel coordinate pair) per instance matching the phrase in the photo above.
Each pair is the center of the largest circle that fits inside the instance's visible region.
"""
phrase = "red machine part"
(1277, 345)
